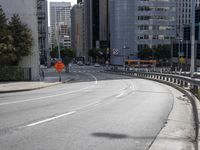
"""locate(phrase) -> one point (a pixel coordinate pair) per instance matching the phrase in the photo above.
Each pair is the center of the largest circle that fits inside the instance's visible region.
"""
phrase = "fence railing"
(192, 84)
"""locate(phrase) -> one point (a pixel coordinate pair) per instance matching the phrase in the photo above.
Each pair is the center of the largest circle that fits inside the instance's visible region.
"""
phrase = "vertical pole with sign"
(59, 66)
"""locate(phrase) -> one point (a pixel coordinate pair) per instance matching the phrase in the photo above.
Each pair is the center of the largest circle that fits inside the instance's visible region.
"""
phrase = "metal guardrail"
(183, 81)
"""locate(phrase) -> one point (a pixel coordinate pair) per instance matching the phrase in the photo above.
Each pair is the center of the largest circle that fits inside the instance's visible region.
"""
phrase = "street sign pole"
(59, 76)
(59, 66)
(192, 69)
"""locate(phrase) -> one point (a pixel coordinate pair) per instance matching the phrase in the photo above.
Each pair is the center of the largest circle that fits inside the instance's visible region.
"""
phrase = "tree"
(15, 40)
(67, 54)
(22, 37)
(97, 53)
(146, 53)
(163, 54)
(7, 52)
(63, 52)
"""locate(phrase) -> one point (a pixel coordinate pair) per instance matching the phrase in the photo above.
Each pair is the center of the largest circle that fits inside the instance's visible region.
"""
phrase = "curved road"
(99, 112)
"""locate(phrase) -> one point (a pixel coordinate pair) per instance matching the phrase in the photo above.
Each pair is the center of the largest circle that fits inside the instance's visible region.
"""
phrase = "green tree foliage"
(162, 52)
(22, 37)
(7, 52)
(146, 53)
(97, 53)
(67, 54)
(15, 40)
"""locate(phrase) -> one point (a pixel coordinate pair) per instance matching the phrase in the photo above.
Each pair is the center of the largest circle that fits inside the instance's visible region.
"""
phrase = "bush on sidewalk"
(11, 73)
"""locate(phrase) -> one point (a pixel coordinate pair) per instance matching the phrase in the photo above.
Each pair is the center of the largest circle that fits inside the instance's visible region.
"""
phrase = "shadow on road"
(113, 136)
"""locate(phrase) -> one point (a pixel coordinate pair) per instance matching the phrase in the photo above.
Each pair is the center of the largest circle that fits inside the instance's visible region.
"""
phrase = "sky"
(73, 2)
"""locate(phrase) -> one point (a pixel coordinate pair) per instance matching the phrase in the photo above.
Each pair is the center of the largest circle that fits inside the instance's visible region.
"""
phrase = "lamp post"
(192, 66)
(124, 48)
(180, 53)
(58, 40)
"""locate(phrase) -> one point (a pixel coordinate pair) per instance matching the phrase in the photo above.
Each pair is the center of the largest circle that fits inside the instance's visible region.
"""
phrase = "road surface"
(98, 111)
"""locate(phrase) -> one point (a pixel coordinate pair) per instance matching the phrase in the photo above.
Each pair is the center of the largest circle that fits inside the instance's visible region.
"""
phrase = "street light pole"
(192, 66)
(58, 40)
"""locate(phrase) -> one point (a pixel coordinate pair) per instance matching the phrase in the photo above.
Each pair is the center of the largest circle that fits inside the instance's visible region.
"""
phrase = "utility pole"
(192, 67)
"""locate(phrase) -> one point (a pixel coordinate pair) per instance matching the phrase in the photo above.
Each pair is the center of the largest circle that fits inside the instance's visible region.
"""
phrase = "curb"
(36, 88)
(192, 98)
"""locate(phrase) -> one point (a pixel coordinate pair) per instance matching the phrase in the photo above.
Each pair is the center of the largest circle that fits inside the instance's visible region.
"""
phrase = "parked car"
(96, 65)
(80, 63)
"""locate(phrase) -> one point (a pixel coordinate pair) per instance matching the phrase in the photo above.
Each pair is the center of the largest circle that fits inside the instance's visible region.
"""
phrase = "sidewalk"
(51, 78)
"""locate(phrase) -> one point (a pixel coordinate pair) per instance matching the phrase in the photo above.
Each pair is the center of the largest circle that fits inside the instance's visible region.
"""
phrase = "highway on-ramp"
(99, 111)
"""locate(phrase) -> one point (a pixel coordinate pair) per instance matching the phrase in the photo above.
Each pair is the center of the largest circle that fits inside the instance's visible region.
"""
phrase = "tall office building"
(183, 16)
(79, 1)
(77, 30)
(91, 21)
(27, 11)
(59, 16)
(42, 15)
(96, 23)
(103, 22)
(135, 25)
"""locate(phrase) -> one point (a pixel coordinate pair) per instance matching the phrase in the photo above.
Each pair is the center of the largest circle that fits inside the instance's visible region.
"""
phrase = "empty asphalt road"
(98, 112)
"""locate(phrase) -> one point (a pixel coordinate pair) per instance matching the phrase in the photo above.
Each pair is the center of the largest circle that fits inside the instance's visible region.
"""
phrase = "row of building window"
(155, 37)
(155, 27)
(167, 18)
(151, 8)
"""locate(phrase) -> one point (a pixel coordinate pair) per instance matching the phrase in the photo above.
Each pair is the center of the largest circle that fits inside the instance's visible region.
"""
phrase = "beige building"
(27, 10)
(59, 17)
(78, 30)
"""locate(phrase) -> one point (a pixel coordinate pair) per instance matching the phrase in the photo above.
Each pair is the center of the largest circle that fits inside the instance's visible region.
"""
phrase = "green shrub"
(11, 73)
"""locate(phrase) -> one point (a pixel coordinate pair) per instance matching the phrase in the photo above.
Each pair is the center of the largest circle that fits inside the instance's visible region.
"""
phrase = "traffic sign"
(182, 60)
(59, 66)
(115, 51)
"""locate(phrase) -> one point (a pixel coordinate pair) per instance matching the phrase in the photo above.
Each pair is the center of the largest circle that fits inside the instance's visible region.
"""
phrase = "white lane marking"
(50, 119)
(121, 94)
(45, 97)
(96, 81)
(50, 96)
(125, 90)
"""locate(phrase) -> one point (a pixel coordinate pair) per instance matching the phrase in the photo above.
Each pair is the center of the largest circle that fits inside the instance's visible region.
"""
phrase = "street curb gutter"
(36, 88)
(192, 98)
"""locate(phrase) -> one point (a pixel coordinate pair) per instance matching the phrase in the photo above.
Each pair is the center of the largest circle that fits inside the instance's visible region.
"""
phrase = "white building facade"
(77, 30)
(59, 16)
(27, 11)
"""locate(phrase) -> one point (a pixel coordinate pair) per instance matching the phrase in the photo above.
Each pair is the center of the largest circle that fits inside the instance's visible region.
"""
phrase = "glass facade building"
(135, 25)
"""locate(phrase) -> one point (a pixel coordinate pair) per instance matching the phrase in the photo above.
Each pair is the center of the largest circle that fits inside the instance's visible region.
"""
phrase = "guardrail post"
(185, 84)
(181, 83)
(163, 78)
(174, 80)
(194, 89)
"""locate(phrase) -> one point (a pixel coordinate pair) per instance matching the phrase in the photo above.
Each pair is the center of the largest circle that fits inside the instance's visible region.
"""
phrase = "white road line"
(121, 94)
(45, 97)
(96, 81)
(50, 119)
(50, 96)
